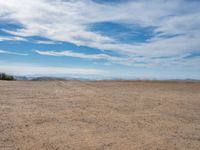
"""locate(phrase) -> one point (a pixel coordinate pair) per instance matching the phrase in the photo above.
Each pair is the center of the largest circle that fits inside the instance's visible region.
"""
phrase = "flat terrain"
(104, 115)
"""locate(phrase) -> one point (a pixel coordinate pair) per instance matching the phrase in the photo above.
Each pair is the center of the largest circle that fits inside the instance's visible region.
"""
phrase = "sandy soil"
(106, 115)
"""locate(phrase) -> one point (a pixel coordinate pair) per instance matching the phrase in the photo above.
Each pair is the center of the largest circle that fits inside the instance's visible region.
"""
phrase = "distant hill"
(21, 78)
(48, 79)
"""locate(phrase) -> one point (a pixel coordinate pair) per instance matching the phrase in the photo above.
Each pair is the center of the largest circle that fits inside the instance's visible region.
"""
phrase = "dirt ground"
(103, 115)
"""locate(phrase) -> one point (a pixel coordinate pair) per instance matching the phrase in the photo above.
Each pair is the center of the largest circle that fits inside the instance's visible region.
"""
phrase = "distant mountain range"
(49, 78)
(45, 78)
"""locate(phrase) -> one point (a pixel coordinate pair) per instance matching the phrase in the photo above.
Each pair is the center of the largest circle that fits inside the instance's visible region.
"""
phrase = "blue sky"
(101, 39)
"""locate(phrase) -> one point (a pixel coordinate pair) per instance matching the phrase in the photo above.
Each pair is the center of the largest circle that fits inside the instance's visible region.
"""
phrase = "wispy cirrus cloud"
(30, 70)
(178, 60)
(12, 53)
(11, 38)
(70, 53)
(45, 42)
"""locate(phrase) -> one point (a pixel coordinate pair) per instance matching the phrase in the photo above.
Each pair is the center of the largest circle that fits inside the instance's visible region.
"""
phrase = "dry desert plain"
(99, 115)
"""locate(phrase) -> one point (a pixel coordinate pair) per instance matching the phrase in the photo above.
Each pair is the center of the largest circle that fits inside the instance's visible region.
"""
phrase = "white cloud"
(45, 42)
(12, 53)
(70, 53)
(177, 60)
(21, 69)
(68, 21)
(11, 38)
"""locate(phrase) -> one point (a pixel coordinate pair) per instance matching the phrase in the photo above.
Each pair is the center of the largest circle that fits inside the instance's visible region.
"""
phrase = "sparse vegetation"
(4, 76)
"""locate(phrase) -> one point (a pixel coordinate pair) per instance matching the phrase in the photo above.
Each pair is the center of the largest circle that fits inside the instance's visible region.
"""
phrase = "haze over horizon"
(101, 38)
